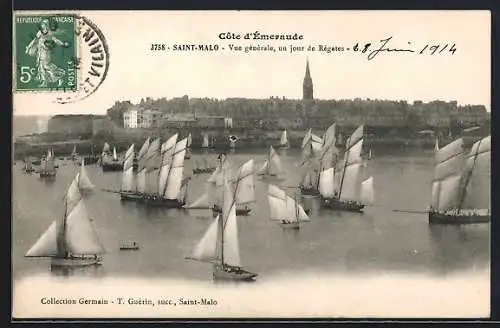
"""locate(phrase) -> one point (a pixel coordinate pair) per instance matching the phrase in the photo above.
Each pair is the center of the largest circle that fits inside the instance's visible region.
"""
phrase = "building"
(137, 117)
(307, 85)
(130, 118)
(150, 118)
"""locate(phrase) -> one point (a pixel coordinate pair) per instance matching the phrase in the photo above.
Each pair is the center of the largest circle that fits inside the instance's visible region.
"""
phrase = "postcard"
(251, 164)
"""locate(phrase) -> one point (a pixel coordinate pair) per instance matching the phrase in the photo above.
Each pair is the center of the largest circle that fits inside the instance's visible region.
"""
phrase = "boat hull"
(290, 225)
(129, 196)
(203, 171)
(109, 167)
(239, 211)
(309, 191)
(224, 272)
(48, 175)
(162, 202)
(74, 261)
(463, 217)
(90, 160)
(336, 204)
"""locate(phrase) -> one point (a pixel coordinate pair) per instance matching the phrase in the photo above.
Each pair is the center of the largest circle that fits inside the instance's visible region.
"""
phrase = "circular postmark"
(65, 55)
(91, 62)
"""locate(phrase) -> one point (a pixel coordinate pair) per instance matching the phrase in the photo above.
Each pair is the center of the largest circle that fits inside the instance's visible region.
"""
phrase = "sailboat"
(206, 167)
(436, 145)
(74, 155)
(171, 187)
(71, 240)
(369, 157)
(314, 160)
(285, 209)
(244, 188)
(188, 147)
(220, 246)
(84, 184)
(28, 166)
(455, 184)
(232, 141)
(339, 186)
(91, 158)
(284, 144)
(272, 167)
(128, 189)
(48, 167)
(111, 162)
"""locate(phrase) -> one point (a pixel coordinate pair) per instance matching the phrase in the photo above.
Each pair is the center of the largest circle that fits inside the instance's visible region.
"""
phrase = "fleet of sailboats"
(455, 175)
(340, 183)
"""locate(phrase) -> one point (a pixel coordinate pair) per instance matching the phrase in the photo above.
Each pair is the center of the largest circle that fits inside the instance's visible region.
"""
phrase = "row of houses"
(138, 118)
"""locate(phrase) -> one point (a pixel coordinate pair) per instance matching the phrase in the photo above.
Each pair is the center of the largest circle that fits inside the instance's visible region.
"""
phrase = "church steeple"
(307, 86)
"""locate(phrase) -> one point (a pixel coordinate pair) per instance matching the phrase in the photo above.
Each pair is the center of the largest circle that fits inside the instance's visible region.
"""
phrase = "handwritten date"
(373, 50)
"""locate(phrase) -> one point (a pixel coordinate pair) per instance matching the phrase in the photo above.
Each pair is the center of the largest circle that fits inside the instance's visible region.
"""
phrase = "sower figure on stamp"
(41, 48)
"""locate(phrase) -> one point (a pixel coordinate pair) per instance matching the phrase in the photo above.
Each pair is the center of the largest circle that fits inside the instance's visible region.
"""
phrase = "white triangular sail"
(141, 167)
(153, 162)
(436, 145)
(206, 249)
(449, 159)
(245, 184)
(326, 183)
(447, 176)
(329, 137)
(115, 157)
(274, 163)
(367, 193)
(81, 238)
(46, 245)
(128, 171)
(105, 148)
(189, 140)
(204, 143)
(350, 183)
(128, 180)
(174, 180)
(283, 139)
(475, 192)
(277, 208)
(167, 151)
(84, 183)
(263, 168)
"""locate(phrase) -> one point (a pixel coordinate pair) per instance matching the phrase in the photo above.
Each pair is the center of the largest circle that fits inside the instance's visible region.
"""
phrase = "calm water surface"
(380, 240)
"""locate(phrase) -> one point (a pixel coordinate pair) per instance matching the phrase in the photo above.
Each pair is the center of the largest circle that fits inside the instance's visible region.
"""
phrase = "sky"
(136, 72)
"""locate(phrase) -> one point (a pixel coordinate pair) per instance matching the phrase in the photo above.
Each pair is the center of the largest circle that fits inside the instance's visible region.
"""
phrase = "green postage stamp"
(45, 52)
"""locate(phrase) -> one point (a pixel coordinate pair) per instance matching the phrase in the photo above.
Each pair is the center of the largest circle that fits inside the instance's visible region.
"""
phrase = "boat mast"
(346, 156)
